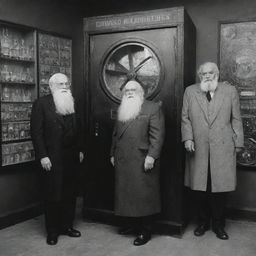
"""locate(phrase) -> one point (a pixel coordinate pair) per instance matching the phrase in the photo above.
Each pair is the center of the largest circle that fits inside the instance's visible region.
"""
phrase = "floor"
(28, 239)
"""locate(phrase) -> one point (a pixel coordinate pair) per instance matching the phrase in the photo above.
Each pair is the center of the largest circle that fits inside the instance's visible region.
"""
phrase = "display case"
(55, 55)
(18, 85)
(28, 58)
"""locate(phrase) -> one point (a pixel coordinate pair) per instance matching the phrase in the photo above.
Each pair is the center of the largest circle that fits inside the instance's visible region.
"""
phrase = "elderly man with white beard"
(137, 141)
(56, 135)
(212, 133)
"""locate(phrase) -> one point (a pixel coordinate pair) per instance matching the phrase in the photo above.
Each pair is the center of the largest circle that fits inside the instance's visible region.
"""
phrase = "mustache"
(64, 90)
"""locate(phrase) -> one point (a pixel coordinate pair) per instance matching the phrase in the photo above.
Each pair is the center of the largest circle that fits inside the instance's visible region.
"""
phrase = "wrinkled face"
(207, 73)
(130, 90)
(61, 83)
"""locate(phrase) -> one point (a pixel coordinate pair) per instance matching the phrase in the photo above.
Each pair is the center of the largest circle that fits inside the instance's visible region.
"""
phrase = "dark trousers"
(139, 224)
(210, 206)
(59, 215)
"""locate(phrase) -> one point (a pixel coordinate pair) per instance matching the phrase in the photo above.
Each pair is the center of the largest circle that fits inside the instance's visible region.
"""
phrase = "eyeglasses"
(207, 73)
(129, 90)
(63, 85)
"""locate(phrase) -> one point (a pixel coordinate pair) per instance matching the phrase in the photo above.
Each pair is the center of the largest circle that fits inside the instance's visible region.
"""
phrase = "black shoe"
(52, 239)
(142, 238)
(71, 232)
(125, 230)
(220, 233)
(201, 229)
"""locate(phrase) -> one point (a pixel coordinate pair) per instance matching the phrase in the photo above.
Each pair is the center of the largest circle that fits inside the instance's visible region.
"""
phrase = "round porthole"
(131, 61)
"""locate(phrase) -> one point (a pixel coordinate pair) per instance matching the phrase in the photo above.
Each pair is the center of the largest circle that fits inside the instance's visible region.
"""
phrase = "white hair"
(62, 97)
(57, 77)
(64, 102)
(212, 64)
(138, 87)
(130, 108)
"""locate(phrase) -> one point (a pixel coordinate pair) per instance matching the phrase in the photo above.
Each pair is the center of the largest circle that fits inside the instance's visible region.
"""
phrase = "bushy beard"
(64, 101)
(129, 108)
(209, 85)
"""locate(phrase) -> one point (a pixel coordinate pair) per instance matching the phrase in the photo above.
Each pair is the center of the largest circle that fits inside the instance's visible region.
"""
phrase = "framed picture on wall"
(237, 61)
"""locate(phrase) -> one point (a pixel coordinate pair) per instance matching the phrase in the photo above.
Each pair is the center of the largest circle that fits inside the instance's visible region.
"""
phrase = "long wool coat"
(216, 128)
(137, 193)
(48, 134)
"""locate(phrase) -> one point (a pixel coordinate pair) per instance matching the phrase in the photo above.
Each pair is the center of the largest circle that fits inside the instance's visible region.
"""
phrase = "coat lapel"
(216, 103)
(123, 127)
(202, 101)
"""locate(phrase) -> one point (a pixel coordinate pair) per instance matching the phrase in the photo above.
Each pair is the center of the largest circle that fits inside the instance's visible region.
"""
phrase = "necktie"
(208, 96)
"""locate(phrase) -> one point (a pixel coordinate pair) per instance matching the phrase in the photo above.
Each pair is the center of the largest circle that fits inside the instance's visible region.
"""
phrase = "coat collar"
(217, 102)
(212, 108)
(123, 127)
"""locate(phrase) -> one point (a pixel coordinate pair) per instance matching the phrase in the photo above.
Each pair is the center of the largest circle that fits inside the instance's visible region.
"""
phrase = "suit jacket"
(216, 128)
(138, 193)
(48, 134)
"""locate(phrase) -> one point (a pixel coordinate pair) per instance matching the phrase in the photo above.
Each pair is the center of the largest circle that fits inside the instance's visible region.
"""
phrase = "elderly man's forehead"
(61, 78)
(208, 67)
(58, 78)
(130, 86)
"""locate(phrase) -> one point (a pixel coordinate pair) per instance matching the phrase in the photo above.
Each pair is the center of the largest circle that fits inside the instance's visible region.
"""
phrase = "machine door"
(148, 56)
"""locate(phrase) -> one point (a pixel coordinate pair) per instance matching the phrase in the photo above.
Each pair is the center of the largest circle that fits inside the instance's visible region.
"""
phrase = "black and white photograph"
(127, 128)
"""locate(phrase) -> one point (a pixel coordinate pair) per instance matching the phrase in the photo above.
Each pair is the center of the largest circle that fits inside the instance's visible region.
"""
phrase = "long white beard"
(64, 102)
(129, 108)
(209, 85)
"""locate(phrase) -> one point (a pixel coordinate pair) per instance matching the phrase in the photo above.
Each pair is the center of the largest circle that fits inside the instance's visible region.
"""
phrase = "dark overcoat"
(137, 193)
(216, 128)
(49, 139)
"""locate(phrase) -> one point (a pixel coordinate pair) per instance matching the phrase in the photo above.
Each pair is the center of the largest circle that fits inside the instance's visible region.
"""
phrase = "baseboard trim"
(20, 215)
(241, 214)
(107, 217)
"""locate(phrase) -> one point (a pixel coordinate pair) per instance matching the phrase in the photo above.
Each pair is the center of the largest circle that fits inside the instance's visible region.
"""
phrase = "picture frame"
(237, 62)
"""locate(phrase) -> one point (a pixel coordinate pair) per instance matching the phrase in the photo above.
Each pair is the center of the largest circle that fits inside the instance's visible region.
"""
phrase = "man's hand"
(149, 163)
(81, 157)
(46, 163)
(112, 160)
(190, 145)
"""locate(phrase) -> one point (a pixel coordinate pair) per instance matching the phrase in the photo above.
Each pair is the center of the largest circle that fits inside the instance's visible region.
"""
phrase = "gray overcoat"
(216, 128)
(137, 193)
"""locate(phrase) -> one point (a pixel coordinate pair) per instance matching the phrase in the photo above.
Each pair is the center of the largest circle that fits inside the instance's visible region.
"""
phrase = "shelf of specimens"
(18, 91)
(16, 44)
(17, 73)
(14, 153)
(15, 112)
(15, 131)
(55, 55)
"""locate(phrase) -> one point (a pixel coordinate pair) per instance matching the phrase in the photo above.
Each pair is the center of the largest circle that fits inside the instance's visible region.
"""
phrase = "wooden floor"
(28, 239)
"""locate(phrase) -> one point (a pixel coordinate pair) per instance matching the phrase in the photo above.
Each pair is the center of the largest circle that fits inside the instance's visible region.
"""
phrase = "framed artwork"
(237, 61)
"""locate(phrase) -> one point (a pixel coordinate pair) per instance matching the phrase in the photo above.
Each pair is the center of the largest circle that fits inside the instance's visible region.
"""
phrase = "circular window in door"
(131, 61)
